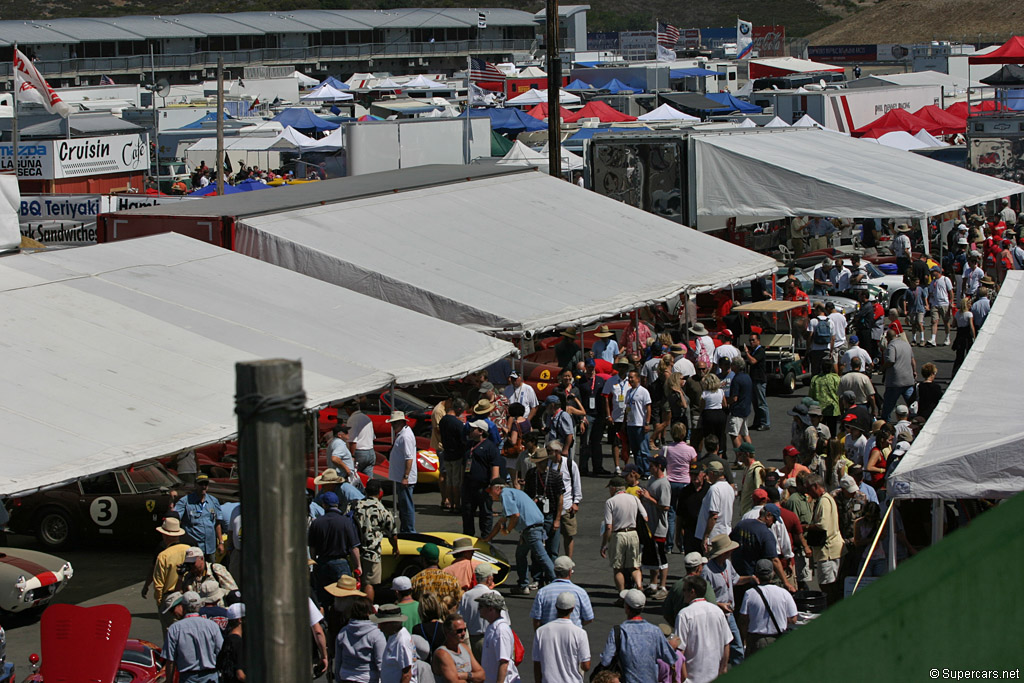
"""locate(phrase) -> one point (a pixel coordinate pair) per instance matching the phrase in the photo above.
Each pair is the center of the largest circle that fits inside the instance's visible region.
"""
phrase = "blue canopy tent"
(728, 100)
(207, 118)
(616, 86)
(578, 85)
(691, 73)
(244, 186)
(587, 133)
(509, 120)
(334, 83)
(303, 120)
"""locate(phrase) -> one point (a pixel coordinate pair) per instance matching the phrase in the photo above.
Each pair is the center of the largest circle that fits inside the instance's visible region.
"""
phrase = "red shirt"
(793, 526)
(800, 295)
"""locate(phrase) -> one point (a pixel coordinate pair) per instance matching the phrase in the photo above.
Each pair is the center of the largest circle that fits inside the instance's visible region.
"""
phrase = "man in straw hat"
(722, 577)
(165, 567)
(399, 660)
(344, 592)
(605, 348)
(402, 470)
(482, 410)
(567, 351)
(901, 248)
(463, 564)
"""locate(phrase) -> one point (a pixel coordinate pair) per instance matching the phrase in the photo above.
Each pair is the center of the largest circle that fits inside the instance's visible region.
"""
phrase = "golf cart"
(783, 364)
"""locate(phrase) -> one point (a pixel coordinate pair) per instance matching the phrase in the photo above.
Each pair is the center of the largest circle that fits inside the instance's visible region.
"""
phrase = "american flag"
(481, 70)
(106, 80)
(668, 35)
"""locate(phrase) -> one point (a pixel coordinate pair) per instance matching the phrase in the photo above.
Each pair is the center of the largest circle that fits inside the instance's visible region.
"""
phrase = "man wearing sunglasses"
(200, 518)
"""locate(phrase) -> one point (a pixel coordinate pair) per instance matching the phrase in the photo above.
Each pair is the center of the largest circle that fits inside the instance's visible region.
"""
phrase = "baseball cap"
(774, 510)
(497, 481)
(192, 601)
(634, 599)
(401, 583)
(814, 411)
(429, 551)
(564, 563)
(848, 484)
(694, 559)
(481, 425)
(630, 468)
(763, 569)
(616, 482)
(171, 600)
(192, 554)
(491, 599)
(854, 338)
(660, 461)
(486, 386)
(513, 375)
(759, 496)
(236, 611)
(566, 600)
(790, 452)
(483, 570)
(552, 400)
(330, 499)
(747, 448)
(902, 410)
(715, 466)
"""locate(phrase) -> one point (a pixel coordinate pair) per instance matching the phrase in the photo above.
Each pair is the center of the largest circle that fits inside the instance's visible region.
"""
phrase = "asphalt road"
(114, 572)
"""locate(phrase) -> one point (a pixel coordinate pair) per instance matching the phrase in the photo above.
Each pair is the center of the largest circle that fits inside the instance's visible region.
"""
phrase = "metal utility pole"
(156, 117)
(15, 131)
(554, 90)
(271, 448)
(220, 125)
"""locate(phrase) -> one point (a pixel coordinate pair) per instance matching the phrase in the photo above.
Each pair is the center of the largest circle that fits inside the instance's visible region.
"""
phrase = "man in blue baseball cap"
(332, 539)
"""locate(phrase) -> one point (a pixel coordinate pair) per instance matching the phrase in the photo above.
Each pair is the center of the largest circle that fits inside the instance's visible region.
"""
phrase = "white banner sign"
(54, 159)
(70, 219)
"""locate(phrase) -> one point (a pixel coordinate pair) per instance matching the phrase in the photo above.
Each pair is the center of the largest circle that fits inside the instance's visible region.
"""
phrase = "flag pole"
(15, 133)
(466, 157)
(554, 64)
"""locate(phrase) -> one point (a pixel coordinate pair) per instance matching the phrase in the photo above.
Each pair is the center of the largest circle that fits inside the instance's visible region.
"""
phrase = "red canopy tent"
(541, 112)
(897, 119)
(951, 123)
(959, 109)
(1010, 52)
(600, 110)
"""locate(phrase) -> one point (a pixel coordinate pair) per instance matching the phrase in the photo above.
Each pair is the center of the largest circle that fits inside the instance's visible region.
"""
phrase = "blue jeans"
(553, 535)
(364, 460)
(736, 646)
(406, 509)
(677, 496)
(892, 397)
(326, 574)
(761, 416)
(198, 678)
(531, 540)
(639, 447)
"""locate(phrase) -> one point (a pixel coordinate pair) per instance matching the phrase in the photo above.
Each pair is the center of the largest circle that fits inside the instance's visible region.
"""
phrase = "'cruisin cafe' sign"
(54, 159)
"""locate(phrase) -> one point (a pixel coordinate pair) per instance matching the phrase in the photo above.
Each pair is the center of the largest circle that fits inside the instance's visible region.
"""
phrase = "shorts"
(371, 571)
(624, 550)
(660, 546)
(918, 319)
(569, 526)
(737, 426)
(453, 471)
(940, 313)
(826, 571)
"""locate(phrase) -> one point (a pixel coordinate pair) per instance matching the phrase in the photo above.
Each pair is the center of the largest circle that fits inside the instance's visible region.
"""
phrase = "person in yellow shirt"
(165, 570)
(823, 536)
(753, 476)
(631, 473)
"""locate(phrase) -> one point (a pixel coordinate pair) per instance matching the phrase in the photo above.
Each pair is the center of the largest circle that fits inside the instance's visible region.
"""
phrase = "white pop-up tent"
(535, 96)
(420, 255)
(666, 113)
(120, 352)
(972, 446)
(798, 172)
(327, 93)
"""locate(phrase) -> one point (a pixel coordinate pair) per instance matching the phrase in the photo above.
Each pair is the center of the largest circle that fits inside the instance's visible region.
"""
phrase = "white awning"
(120, 352)
(972, 446)
(518, 252)
(797, 172)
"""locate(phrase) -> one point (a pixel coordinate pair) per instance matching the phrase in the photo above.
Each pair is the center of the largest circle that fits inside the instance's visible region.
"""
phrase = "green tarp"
(500, 145)
(953, 607)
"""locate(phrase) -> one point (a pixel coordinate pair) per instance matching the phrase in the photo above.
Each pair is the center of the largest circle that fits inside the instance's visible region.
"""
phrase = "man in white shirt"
(855, 351)
(615, 389)
(682, 364)
(360, 439)
(638, 419)
(498, 657)
(572, 496)
(399, 661)
(839, 325)
(561, 651)
(469, 608)
(704, 634)
(940, 291)
(402, 470)
(840, 277)
(859, 385)
(519, 391)
(973, 275)
(901, 248)
(726, 350)
(767, 610)
(715, 515)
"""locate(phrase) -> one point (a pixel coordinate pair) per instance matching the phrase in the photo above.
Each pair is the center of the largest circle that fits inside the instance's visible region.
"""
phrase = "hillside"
(799, 16)
(915, 21)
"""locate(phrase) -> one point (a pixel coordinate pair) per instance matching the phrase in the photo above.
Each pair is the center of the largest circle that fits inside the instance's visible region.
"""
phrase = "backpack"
(822, 332)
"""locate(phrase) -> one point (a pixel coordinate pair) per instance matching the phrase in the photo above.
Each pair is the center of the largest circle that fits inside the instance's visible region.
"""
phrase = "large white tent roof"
(972, 446)
(666, 113)
(796, 172)
(120, 352)
(518, 252)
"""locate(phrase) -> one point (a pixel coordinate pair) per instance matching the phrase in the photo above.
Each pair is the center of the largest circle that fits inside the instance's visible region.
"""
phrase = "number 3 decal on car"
(103, 510)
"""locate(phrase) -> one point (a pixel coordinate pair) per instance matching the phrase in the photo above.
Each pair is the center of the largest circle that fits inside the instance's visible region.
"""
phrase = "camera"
(183, 569)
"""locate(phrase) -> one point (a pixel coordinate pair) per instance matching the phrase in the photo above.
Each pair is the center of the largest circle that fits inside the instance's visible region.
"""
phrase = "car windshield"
(151, 477)
(408, 403)
(872, 269)
(143, 656)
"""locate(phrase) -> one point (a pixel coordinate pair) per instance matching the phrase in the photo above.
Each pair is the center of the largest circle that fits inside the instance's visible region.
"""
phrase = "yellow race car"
(407, 562)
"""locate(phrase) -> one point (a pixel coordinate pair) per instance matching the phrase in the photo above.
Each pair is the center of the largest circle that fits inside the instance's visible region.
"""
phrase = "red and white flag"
(32, 87)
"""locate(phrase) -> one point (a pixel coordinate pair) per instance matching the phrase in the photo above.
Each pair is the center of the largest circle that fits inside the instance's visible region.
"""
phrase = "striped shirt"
(544, 604)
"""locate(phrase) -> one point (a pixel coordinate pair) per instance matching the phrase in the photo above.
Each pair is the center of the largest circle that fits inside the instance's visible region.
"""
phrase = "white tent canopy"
(304, 80)
(972, 446)
(897, 139)
(120, 352)
(806, 121)
(244, 143)
(795, 172)
(521, 155)
(327, 93)
(666, 113)
(421, 82)
(291, 139)
(535, 96)
(776, 122)
(418, 256)
(386, 84)
(532, 72)
(930, 140)
(746, 123)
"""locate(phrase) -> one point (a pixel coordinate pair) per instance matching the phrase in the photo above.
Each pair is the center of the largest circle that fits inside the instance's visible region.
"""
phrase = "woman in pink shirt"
(681, 458)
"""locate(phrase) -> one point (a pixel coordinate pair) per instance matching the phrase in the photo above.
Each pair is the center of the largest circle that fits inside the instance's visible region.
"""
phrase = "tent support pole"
(394, 484)
(890, 552)
(522, 360)
(938, 520)
(871, 550)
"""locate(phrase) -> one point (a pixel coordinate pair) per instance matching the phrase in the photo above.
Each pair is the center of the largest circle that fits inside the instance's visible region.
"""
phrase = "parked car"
(30, 579)
(126, 504)
(141, 662)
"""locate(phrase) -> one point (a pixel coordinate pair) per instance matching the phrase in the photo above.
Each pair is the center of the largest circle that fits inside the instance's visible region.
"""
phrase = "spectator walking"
(402, 470)
(333, 539)
(561, 651)
(767, 611)
(192, 645)
(637, 644)
(523, 515)
(704, 634)
(498, 658)
(544, 611)
(620, 543)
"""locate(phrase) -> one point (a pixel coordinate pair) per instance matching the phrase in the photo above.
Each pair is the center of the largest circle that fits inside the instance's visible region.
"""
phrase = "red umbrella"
(897, 119)
(600, 110)
(951, 123)
(540, 112)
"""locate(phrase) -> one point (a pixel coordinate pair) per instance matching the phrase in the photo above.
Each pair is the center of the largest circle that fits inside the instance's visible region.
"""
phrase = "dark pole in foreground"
(554, 90)
(271, 455)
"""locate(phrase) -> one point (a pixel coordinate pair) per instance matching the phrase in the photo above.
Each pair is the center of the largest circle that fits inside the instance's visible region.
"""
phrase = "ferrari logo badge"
(150, 505)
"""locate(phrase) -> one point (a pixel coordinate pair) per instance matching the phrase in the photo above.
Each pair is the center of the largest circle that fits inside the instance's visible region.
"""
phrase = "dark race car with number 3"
(125, 504)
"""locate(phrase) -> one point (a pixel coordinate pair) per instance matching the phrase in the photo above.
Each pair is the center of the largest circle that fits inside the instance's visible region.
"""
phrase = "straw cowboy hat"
(462, 545)
(903, 227)
(698, 329)
(604, 332)
(345, 587)
(171, 526)
(397, 416)
(569, 333)
(329, 476)
(483, 407)
(388, 613)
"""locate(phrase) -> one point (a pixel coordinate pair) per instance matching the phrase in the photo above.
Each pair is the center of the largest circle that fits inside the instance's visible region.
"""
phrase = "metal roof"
(273, 22)
(328, 191)
(81, 124)
(152, 27)
(215, 24)
(423, 18)
(90, 30)
(30, 33)
(563, 11)
(330, 20)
